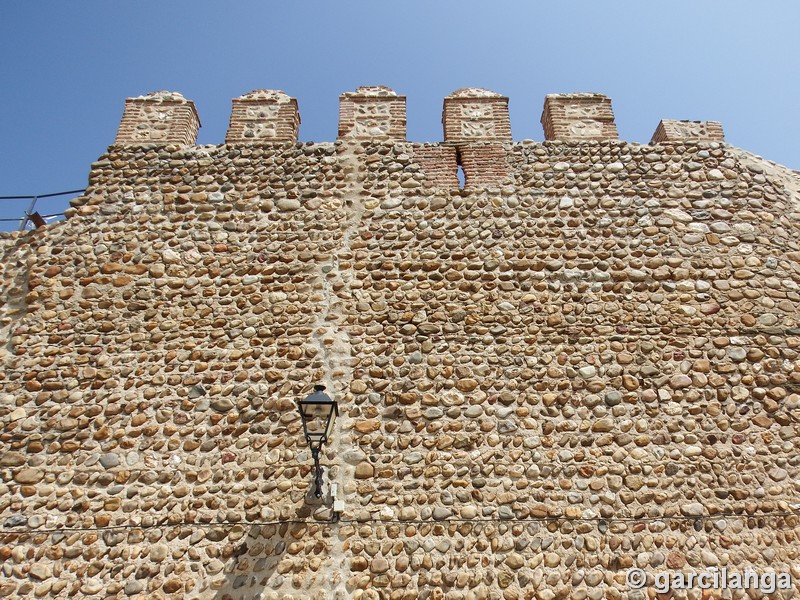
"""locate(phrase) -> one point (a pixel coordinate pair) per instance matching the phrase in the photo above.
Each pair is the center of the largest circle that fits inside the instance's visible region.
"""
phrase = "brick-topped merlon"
(470, 116)
(669, 131)
(263, 116)
(476, 115)
(372, 113)
(159, 118)
(578, 117)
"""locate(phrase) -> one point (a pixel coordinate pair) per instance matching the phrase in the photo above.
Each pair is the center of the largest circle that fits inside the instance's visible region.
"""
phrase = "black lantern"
(318, 413)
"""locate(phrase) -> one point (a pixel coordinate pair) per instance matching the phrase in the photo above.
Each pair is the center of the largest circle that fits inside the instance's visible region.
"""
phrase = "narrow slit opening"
(461, 177)
(460, 173)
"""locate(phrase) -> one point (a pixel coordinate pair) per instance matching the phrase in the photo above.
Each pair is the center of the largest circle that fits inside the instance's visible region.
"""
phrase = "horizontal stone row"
(386, 557)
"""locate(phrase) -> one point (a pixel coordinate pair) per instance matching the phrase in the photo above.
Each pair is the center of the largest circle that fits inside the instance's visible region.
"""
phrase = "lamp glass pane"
(316, 418)
(316, 424)
(330, 424)
(315, 410)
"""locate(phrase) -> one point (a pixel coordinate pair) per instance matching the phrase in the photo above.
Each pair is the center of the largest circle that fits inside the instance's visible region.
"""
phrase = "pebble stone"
(574, 367)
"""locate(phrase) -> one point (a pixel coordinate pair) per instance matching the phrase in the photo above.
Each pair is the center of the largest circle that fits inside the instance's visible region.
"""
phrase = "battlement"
(476, 115)
(263, 116)
(475, 123)
(469, 116)
(578, 117)
(160, 118)
(372, 112)
(682, 131)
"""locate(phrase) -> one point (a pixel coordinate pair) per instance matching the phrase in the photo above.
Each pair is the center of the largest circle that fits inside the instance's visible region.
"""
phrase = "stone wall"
(586, 364)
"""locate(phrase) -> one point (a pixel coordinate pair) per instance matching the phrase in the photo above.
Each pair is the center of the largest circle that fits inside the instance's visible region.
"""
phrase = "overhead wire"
(27, 214)
(52, 195)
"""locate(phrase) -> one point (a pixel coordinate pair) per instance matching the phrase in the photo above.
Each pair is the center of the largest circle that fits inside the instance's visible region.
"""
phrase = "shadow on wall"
(254, 564)
(276, 561)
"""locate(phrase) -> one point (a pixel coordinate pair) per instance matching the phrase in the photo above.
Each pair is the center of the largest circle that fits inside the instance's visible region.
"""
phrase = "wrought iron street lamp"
(318, 412)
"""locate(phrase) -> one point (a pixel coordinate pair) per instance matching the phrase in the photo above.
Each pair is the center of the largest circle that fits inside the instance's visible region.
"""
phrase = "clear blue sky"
(67, 67)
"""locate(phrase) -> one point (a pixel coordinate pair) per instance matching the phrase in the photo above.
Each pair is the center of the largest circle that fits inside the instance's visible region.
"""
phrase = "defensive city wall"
(475, 122)
(582, 360)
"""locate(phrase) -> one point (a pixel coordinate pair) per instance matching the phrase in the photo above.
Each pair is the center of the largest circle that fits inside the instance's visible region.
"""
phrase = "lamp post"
(318, 412)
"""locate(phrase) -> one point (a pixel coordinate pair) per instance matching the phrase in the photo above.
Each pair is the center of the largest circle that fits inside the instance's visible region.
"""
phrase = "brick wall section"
(263, 116)
(483, 164)
(476, 121)
(472, 114)
(684, 131)
(375, 112)
(159, 118)
(439, 163)
(577, 117)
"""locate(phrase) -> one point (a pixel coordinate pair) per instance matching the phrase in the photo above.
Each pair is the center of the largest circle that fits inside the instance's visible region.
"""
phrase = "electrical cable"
(42, 195)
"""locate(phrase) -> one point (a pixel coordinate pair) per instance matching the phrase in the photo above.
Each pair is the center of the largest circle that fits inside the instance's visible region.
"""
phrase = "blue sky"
(67, 67)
